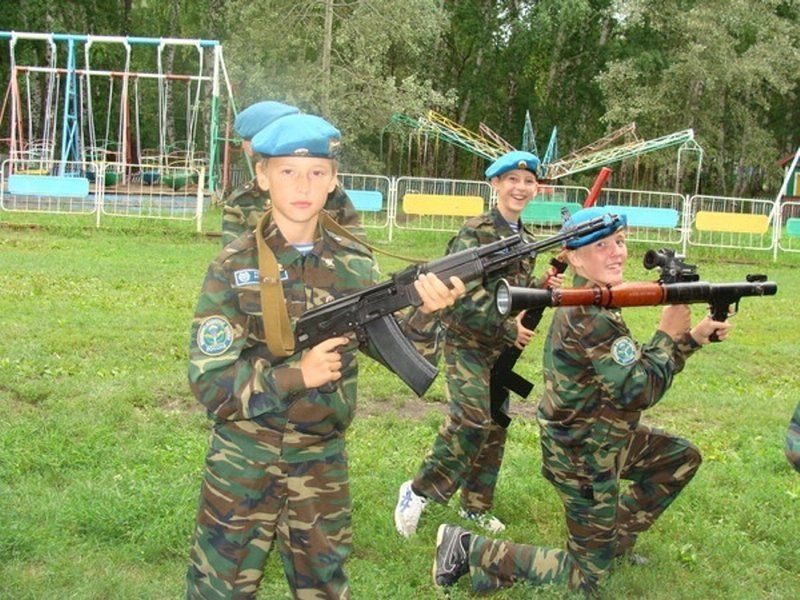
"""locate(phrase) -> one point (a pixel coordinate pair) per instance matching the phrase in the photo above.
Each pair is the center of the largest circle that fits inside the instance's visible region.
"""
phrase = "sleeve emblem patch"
(624, 352)
(214, 336)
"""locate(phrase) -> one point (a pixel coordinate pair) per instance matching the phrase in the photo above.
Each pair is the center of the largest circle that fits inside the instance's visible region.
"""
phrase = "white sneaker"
(408, 510)
(483, 520)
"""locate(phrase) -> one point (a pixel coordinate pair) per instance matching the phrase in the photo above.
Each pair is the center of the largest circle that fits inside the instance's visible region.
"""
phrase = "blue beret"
(298, 135)
(587, 214)
(513, 160)
(257, 116)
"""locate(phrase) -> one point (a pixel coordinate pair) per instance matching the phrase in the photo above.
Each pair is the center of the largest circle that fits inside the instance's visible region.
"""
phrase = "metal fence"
(721, 222)
(544, 213)
(426, 204)
(653, 217)
(371, 195)
(787, 233)
(407, 203)
(105, 189)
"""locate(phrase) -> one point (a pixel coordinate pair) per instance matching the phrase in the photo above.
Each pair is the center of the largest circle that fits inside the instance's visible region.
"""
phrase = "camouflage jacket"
(241, 210)
(231, 370)
(474, 319)
(598, 379)
(245, 205)
(793, 439)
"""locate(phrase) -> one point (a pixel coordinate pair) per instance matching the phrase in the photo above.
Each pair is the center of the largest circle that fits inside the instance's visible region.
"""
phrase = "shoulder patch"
(244, 277)
(214, 336)
(624, 352)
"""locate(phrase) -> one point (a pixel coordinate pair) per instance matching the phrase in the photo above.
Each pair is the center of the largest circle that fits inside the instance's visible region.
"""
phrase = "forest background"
(728, 69)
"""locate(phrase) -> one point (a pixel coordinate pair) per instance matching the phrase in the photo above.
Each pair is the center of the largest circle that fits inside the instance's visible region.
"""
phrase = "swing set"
(123, 125)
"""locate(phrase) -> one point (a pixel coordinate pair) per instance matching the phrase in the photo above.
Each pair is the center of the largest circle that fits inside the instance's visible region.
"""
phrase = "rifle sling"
(331, 225)
(277, 330)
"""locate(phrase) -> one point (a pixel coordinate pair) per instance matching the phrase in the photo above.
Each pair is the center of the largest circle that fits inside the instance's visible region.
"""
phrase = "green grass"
(102, 444)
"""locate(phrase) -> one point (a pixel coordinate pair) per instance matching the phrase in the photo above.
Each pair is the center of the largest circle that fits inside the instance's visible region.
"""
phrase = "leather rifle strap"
(328, 223)
(277, 330)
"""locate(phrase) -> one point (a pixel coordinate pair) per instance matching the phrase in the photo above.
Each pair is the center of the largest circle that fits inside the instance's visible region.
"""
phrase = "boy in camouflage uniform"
(598, 380)
(468, 451)
(793, 439)
(245, 205)
(276, 468)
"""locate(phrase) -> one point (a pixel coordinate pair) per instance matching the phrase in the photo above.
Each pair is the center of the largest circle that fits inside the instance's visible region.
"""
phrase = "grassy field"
(102, 444)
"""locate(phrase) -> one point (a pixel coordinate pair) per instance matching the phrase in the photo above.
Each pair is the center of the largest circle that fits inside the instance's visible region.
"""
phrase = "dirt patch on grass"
(411, 407)
(417, 408)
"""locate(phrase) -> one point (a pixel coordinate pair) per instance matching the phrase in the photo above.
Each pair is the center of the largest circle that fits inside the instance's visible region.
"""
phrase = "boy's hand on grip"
(322, 363)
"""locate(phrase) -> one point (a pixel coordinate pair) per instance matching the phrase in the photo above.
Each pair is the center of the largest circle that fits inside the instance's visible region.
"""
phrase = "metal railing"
(404, 203)
(105, 189)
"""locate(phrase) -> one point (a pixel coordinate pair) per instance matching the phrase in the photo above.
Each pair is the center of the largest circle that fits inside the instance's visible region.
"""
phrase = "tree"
(508, 57)
(708, 66)
(378, 49)
(726, 68)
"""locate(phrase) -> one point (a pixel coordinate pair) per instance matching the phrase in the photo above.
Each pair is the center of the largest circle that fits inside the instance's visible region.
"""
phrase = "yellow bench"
(730, 222)
(442, 205)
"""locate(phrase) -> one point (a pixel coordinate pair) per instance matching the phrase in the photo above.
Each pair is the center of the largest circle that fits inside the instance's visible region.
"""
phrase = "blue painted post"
(69, 131)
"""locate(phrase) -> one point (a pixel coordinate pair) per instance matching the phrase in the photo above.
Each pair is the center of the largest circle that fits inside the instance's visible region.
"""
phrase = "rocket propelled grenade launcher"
(369, 312)
(678, 284)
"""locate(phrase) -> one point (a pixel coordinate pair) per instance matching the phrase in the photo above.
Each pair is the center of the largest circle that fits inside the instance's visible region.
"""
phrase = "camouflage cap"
(587, 214)
(517, 159)
(298, 135)
(257, 116)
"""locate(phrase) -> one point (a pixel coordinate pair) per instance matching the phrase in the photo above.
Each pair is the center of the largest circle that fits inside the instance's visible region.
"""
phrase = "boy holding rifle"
(468, 450)
(276, 468)
(598, 380)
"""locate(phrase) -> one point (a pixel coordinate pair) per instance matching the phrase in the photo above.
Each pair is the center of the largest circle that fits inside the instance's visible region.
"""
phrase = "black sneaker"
(451, 560)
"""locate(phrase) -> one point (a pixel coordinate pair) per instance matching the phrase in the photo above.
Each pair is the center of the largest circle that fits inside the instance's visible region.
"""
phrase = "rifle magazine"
(399, 355)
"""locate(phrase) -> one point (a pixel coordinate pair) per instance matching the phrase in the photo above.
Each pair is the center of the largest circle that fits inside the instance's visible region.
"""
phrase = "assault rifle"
(677, 284)
(369, 312)
(503, 379)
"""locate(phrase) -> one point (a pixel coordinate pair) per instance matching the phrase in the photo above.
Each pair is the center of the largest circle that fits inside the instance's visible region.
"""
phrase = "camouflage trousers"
(468, 449)
(602, 521)
(793, 439)
(250, 498)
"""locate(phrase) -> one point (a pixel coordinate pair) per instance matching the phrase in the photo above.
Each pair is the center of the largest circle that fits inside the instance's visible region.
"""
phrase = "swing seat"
(111, 178)
(48, 185)
(151, 177)
(179, 179)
